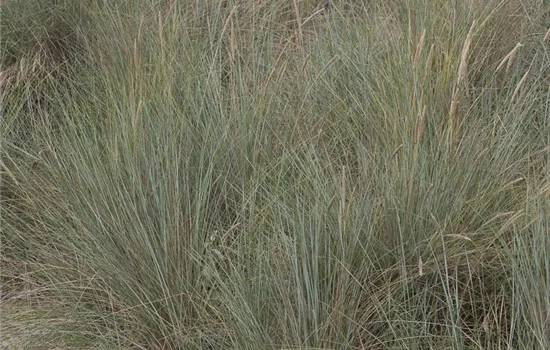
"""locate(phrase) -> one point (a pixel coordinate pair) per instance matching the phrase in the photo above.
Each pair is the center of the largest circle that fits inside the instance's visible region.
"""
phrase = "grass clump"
(275, 175)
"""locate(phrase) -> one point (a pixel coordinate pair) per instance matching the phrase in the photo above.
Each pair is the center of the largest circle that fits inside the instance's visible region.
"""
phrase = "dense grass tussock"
(255, 174)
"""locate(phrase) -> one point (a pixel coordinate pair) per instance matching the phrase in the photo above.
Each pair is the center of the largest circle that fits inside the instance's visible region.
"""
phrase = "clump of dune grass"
(274, 175)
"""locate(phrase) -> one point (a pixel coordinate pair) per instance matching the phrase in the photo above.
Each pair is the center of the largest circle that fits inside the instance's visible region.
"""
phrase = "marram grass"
(275, 175)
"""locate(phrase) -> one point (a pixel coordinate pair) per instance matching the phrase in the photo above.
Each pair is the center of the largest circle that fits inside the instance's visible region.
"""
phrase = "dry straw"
(420, 123)
(520, 84)
(419, 48)
(298, 21)
(509, 58)
(394, 153)
(8, 172)
(6, 76)
(461, 80)
(429, 61)
(463, 67)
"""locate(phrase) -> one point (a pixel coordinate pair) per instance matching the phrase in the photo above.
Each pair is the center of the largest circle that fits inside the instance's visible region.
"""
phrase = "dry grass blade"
(547, 35)
(7, 75)
(499, 216)
(461, 80)
(10, 174)
(228, 21)
(419, 48)
(463, 67)
(545, 189)
(510, 221)
(331, 203)
(298, 21)
(420, 123)
(429, 61)
(313, 16)
(394, 153)
(228, 232)
(460, 236)
(452, 112)
(508, 59)
(512, 183)
(520, 84)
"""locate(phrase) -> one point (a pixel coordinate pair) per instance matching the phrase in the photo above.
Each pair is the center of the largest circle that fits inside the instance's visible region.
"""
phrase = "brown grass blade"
(298, 21)
(419, 47)
(7, 171)
(463, 67)
(429, 61)
(509, 58)
(394, 153)
(520, 84)
(420, 123)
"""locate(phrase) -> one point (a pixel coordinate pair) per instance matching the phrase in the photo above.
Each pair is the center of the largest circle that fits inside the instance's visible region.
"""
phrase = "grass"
(275, 175)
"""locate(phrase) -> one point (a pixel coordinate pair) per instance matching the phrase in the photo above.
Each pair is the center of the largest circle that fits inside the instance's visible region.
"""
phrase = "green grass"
(271, 175)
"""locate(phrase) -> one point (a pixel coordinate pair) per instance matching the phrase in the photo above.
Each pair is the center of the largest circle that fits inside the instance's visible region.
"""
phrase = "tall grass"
(275, 175)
